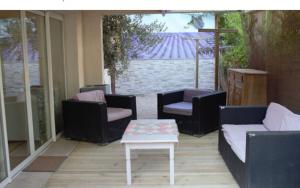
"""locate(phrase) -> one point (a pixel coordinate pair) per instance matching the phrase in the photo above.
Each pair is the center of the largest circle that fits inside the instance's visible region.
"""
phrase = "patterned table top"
(151, 130)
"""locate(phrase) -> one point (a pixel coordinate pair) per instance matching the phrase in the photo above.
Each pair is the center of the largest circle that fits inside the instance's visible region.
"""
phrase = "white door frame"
(4, 129)
(50, 76)
(55, 16)
(27, 82)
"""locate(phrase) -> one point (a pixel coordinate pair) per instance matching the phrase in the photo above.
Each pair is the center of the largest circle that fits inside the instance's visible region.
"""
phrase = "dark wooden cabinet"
(247, 87)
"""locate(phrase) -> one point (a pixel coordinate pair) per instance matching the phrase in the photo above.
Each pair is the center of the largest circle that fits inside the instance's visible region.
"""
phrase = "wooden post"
(217, 51)
(217, 32)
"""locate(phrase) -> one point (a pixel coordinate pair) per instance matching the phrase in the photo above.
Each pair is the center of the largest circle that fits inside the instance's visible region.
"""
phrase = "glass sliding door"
(3, 171)
(38, 74)
(12, 65)
(56, 33)
(25, 85)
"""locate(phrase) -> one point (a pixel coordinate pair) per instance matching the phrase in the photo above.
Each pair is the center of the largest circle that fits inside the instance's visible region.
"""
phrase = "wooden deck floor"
(197, 164)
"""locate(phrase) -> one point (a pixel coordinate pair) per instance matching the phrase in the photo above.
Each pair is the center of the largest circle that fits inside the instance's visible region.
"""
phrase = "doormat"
(15, 160)
(45, 164)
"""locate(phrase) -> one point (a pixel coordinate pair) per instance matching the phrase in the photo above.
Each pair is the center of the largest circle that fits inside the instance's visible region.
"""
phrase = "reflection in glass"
(12, 66)
(38, 74)
(58, 70)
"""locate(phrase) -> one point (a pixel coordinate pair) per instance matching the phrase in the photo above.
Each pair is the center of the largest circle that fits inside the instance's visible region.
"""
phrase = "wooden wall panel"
(275, 48)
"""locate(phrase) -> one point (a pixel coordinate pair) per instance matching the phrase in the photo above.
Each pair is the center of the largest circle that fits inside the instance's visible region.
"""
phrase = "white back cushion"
(274, 116)
(93, 96)
(291, 122)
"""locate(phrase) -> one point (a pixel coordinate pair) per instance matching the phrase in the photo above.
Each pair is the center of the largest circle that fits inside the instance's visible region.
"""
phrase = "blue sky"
(177, 22)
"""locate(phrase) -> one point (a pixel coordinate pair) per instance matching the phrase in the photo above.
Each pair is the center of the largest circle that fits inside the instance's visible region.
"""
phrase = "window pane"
(38, 77)
(58, 70)
(14, 86)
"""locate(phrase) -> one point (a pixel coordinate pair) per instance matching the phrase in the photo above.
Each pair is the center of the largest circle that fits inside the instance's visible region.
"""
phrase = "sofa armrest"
(83, 119)
(272, 159)
(122, 101)
(209, 103)
(242, 114)
(168, 98)
(206, 110)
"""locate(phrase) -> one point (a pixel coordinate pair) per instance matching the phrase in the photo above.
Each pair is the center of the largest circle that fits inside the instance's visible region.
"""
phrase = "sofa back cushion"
(94, 96)
(274, 116)
(291, 122)
(190, 93)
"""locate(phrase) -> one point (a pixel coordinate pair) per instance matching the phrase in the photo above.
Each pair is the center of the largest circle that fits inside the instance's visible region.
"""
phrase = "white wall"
(73, 52)
(83, 49)
(92, 47)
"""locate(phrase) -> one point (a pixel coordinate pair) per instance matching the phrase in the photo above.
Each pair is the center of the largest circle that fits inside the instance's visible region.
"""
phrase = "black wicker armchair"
(198, 109)
(97, 121)
(271, 158)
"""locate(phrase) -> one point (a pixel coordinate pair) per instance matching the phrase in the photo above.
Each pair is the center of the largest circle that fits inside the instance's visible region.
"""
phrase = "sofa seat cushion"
(180, 108)
(235, 136)
(117, 113)
(190, 93)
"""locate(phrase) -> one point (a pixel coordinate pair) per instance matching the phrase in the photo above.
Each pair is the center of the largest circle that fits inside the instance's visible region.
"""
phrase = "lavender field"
(177, 46)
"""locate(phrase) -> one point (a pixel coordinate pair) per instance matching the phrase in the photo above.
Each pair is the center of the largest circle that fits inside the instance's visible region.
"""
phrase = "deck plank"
(197, 164)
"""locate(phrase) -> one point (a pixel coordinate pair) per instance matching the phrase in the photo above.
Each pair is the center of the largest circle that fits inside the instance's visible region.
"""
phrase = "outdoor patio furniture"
(100, 122)
(196, 111)
(104, 87)
(150, 134)
(258, 148)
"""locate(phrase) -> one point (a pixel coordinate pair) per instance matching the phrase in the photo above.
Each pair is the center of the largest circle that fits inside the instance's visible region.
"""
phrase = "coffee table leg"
(128, 165)
(171, 155)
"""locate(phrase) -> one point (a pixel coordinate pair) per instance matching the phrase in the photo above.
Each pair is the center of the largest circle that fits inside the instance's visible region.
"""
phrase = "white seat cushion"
(235, 136)
(117, 113)
(274, 116)
(180, 108)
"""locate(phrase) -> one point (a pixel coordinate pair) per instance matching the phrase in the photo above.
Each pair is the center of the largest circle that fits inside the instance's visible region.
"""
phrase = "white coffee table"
(150, 134)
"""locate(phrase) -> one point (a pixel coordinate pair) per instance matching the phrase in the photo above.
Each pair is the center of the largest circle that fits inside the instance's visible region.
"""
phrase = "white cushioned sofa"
(260, 145)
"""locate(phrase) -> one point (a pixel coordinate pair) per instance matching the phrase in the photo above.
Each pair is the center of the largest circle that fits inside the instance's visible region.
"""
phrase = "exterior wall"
(274, 46)
(83, 49)
(148, 77)
(73, 52)
(92, 42)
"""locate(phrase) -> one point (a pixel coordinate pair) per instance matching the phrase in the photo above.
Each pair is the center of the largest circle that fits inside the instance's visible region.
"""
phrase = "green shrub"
(235, 57)
(236, 50)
